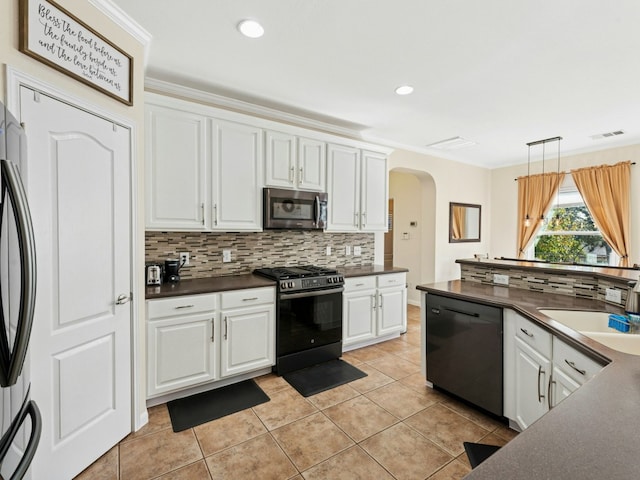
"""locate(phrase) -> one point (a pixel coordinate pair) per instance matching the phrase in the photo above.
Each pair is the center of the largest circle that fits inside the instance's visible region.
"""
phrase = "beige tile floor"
(388, 425)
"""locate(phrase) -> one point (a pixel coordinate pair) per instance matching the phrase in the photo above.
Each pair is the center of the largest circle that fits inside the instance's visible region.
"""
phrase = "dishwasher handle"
(461, 312)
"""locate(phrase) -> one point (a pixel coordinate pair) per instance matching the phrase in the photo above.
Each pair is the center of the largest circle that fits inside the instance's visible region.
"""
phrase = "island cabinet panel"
(540, 370)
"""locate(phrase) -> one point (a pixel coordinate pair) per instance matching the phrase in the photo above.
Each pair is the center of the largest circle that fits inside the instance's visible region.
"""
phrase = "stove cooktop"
(301, 278)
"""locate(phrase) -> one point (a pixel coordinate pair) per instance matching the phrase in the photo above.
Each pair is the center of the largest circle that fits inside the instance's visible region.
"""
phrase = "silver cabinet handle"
(375, 303)
(355, 219)
(123, 298)
(301, 179)
(225, 328)
(183, 306)
(551, 382)
(573, 365)
(380, 304)
(526, 333)
(202, 212)
(213, 330)
(540, 372)
(359, 284)
(364, 219)
(215, 214)
(292, 174)
(249, 299)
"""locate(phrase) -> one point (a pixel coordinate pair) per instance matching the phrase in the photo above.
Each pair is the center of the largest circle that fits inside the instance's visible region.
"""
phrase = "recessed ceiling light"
(404, 90)
(250, 28)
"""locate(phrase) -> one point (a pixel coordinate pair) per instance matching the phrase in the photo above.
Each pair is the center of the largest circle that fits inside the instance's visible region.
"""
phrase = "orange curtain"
(542, 191)
(605, 190)
(458, 220)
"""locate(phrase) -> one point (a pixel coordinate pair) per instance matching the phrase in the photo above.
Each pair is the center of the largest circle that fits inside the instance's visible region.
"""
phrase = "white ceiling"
(500, 73)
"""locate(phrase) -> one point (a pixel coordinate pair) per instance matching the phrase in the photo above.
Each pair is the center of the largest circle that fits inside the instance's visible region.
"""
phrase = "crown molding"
(128, 24)
(241, 106)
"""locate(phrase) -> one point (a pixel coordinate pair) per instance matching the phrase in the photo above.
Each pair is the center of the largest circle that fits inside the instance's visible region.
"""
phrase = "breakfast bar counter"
(591, 434)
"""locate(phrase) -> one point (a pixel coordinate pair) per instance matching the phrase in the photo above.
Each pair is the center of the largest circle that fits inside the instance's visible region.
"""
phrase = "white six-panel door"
(79, 192)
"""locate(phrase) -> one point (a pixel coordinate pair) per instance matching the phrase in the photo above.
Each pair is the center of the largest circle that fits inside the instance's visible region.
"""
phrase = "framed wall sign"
(52, 35)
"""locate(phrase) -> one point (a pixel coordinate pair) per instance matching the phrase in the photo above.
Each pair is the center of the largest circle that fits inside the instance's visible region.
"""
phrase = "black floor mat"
(323, 376)
(203, 407)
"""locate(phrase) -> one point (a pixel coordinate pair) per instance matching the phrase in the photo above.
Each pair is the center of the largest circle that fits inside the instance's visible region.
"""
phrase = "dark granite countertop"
(194, 286)
(591, 434)
(625, 274)
(363, 271)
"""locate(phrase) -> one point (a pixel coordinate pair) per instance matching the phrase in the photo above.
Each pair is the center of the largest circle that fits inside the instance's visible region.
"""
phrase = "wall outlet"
(184, 258)
(328, 250)
(347, 250)
(226, 256)
(500, 279)
(613, 295)
(357, 250)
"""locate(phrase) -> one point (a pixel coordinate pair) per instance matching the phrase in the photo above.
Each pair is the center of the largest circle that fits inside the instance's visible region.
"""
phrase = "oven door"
(308, 319)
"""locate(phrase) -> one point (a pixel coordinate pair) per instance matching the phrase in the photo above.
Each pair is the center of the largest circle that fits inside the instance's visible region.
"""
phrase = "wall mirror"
(464, 222)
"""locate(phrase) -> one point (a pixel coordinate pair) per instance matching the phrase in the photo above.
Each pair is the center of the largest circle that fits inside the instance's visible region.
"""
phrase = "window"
(569, 234)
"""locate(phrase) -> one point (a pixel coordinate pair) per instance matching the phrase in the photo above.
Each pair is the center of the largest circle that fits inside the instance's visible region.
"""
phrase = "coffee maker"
(172, 270)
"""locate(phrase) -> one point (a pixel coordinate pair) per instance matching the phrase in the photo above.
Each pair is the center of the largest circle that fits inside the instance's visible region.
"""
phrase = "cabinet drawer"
(533, 335)
(359, 283)
(574, 363)
(392, 280)
(183, 305)
(248, 297)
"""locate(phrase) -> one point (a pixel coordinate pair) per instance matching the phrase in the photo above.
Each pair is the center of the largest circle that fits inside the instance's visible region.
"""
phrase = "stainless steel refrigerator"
(20, 421)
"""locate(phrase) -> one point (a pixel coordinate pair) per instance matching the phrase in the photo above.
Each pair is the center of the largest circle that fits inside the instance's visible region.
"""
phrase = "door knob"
(122, 299)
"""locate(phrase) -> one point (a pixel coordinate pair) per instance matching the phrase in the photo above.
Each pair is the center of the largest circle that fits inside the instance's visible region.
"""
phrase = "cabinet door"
(280, 160)
(180, 352)
(176, 174)
(343, 188)
(237, 176)
(359, 316)
(312, 161)
(374, 204)
(532, 375)
(248, 340)
(561, 386)
(392, 310)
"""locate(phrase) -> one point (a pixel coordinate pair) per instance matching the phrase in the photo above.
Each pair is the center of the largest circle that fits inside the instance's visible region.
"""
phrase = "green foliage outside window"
(566, 246)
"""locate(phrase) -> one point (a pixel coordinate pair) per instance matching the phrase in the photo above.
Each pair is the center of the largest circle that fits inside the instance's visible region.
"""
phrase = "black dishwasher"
(464, 350)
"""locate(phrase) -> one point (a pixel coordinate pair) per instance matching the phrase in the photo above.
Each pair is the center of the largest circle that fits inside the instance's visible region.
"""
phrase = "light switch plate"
(613, 295)
(226, 256)
(328, 250)
(357, 250)
(347, 250)
(500, 279)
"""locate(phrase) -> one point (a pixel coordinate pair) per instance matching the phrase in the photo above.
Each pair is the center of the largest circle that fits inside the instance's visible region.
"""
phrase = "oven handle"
(313, 293)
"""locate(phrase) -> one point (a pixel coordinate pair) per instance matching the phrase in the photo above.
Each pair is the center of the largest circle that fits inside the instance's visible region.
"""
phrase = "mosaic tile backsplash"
(254, 250)
(563, 284)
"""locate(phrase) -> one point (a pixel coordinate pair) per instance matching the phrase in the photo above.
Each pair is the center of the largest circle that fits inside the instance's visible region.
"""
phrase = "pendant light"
(527, 218)
(556, 217)
(543, 183)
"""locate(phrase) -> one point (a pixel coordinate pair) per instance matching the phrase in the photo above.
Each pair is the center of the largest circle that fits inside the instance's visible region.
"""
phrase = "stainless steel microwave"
(294, 209)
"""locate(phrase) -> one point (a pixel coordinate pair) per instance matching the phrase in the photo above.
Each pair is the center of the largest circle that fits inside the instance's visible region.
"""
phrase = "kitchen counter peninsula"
(589, 434)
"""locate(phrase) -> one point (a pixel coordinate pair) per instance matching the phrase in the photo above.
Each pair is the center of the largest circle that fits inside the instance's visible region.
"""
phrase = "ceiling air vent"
(452, 143)
(606, 135)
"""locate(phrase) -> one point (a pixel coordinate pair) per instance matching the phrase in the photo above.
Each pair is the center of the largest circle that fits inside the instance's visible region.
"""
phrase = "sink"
(595, 325)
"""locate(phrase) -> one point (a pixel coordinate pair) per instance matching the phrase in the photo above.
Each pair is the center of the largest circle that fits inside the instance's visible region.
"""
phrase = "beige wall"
(504, 195)
(445, 181)
(10, 55)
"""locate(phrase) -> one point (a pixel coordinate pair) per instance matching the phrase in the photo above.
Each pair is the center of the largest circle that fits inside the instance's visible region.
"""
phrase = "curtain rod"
(632, 163)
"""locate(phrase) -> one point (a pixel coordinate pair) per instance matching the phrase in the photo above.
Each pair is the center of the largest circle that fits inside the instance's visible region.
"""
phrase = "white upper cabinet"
(373, 192)
(176, 169)
(312, 161)
(292, 162)
(357, 188)
(343, 188)
(236, 176)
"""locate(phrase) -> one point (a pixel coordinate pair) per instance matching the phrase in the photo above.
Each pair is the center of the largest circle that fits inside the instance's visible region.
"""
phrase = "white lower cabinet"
(248, 333)
(540, 370)
(192, 340)
(374, 308)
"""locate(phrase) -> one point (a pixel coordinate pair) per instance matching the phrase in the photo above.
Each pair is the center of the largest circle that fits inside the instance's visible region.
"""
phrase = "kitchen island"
(590, 434)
